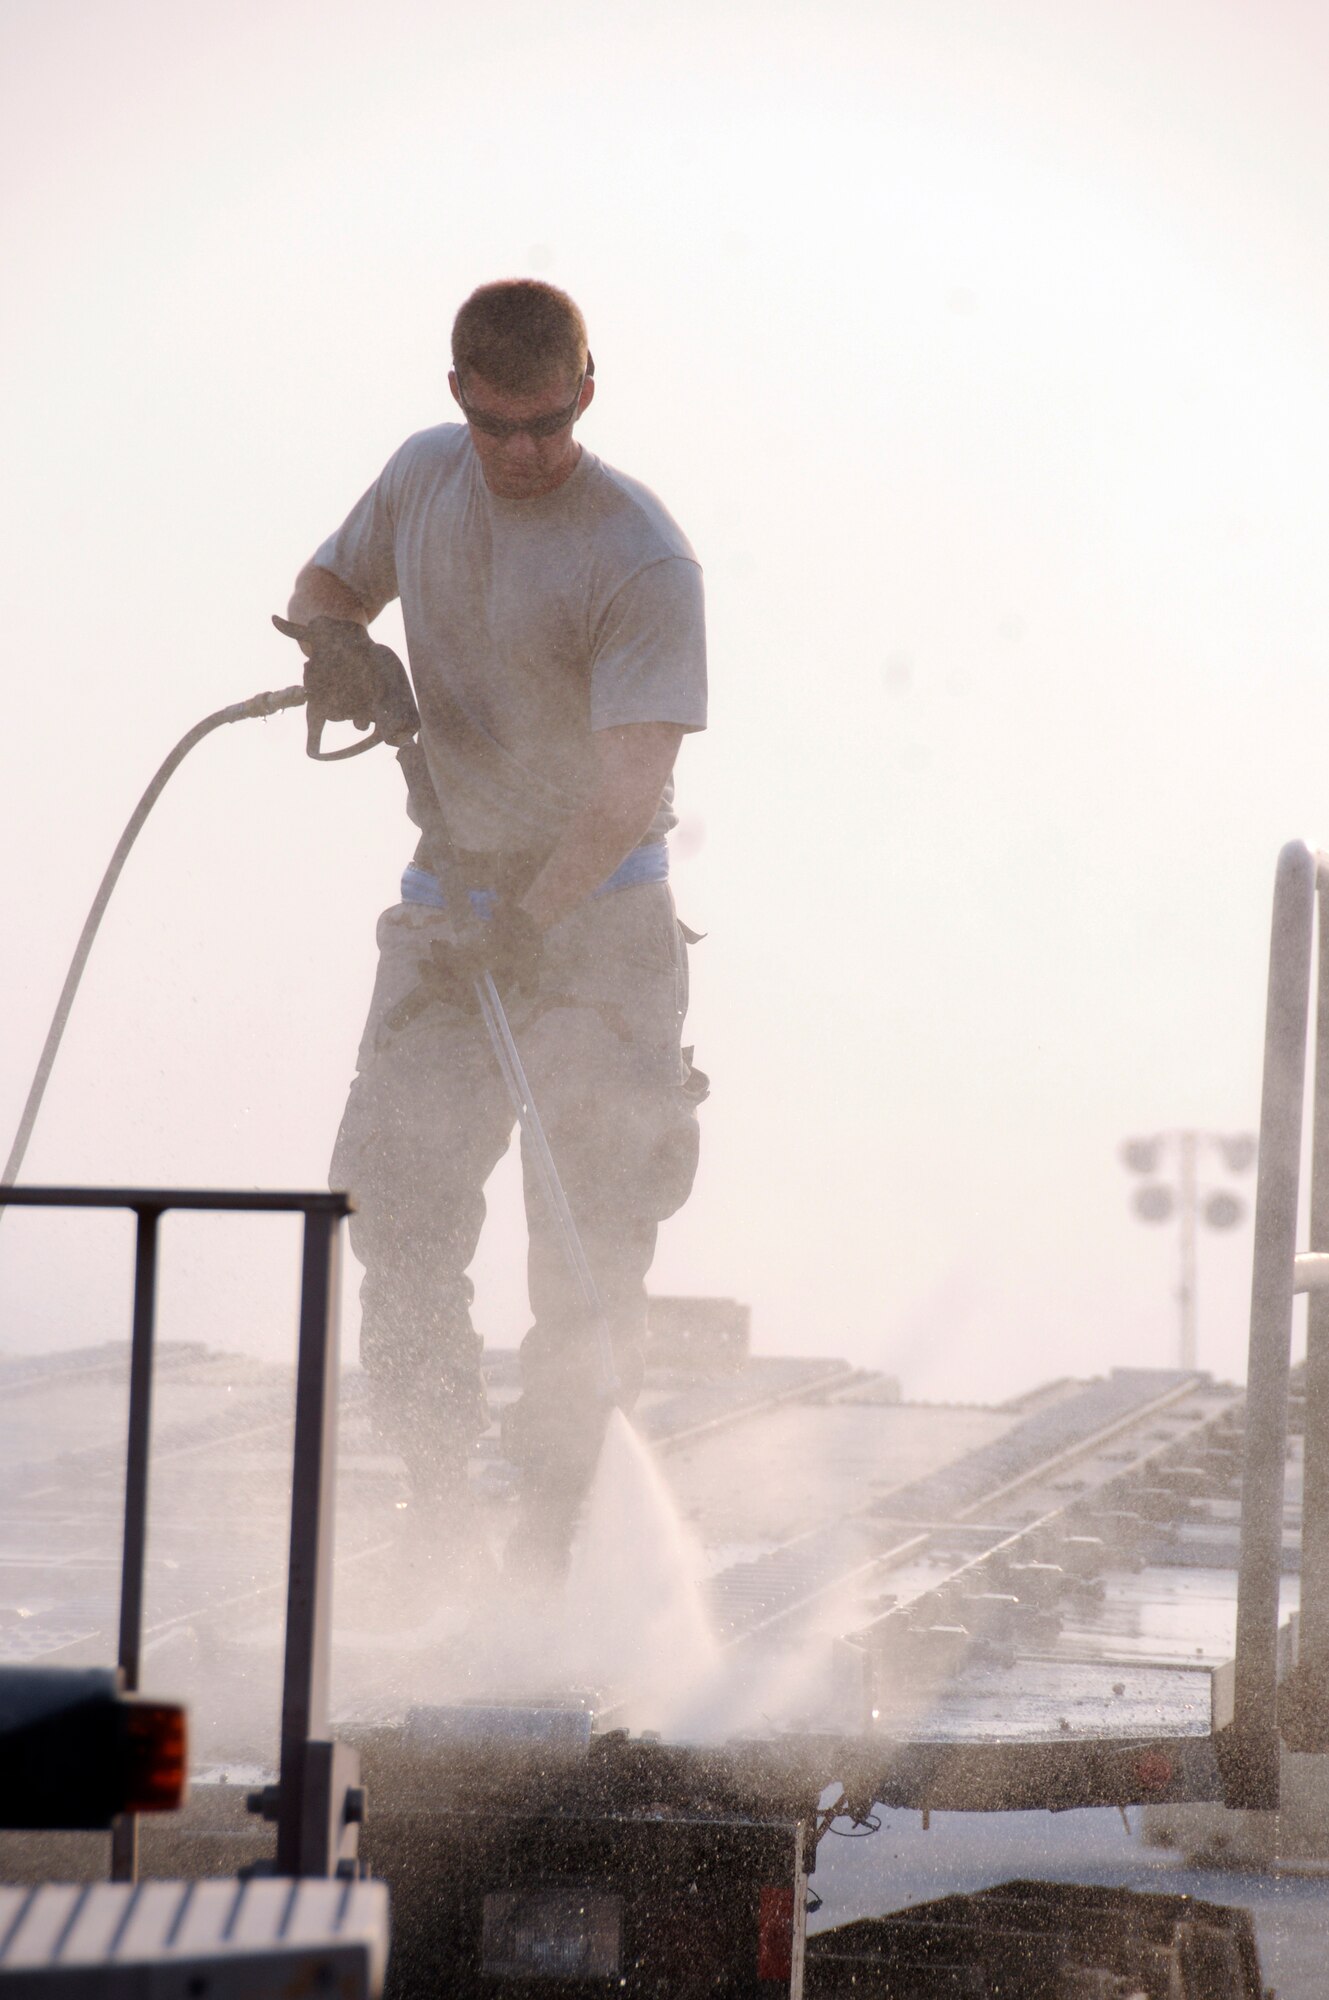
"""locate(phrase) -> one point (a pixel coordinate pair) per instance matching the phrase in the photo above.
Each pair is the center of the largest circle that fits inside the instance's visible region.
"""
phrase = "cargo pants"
(426, 1122)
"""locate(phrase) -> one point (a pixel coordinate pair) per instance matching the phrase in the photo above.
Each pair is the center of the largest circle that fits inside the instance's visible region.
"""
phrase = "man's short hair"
(517, 333)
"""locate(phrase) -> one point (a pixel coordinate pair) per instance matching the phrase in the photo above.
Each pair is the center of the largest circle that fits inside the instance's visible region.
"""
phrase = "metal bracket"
(332, 1804)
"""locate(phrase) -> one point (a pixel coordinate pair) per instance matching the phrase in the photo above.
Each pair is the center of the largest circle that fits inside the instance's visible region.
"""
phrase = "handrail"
(1252, 1746)
(317, 1805)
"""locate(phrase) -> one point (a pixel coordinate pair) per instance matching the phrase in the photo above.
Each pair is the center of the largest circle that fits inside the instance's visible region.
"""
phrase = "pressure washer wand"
(495, 1018)
(239, 711)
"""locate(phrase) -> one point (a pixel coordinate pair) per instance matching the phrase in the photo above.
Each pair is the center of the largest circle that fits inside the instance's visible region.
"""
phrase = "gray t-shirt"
(529, 625)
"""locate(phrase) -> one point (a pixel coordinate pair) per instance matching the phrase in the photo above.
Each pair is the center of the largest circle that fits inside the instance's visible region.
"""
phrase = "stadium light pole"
(1156, 1201)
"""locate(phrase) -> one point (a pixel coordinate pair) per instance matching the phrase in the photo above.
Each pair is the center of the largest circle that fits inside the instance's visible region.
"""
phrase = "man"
(553, 616)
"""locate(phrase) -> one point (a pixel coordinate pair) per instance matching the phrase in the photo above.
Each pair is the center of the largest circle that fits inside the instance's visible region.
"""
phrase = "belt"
(647, 863)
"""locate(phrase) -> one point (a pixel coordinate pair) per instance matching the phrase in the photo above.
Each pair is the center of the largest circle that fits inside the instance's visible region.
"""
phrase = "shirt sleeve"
(362, 552)
(649, 661)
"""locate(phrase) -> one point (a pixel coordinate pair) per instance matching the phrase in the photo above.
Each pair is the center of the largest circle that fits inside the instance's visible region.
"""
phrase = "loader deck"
(895, 1580)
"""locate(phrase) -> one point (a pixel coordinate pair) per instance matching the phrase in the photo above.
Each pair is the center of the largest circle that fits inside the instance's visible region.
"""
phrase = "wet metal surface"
(822, 1506)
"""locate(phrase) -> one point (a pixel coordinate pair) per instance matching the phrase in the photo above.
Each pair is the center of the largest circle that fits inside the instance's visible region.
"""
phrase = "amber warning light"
(156, 1756)
(76, 1752)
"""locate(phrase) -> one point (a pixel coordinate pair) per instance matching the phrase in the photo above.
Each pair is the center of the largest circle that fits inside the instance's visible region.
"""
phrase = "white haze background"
(981, 350)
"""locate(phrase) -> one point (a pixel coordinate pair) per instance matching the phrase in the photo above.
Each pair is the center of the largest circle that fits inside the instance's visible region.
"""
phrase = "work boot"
(555, 1460)
(433, 1426)
(438, 1556)
(539, 1549)
(443, 1550)
(554, 1442)
(439, 1548)
(552, 1434)
(436, 1569)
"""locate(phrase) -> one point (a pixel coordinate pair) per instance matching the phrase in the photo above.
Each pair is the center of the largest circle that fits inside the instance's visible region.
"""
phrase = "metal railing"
(317, 1803)
(1262, 1715)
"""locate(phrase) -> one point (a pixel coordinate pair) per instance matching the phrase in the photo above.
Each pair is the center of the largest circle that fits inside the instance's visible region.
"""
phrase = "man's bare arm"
(320, 594)
(633, 763)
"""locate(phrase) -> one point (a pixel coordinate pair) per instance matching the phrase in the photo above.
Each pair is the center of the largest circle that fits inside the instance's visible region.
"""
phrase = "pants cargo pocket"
(674, 1158)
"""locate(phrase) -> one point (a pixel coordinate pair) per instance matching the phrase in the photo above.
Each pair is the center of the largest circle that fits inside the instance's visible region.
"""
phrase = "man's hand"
(508, 945)
(342, 671)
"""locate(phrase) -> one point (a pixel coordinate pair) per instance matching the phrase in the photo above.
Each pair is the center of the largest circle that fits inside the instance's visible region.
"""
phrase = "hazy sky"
(981, 349)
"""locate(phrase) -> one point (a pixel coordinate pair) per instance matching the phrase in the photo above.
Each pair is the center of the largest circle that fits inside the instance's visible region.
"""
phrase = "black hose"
(240, 711)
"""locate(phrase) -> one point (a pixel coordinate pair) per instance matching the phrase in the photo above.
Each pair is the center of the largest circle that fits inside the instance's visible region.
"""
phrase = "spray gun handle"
(395, 718)
(316, 722)
(392, 713)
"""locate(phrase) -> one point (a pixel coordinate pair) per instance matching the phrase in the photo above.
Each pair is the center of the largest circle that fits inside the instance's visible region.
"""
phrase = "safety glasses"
(546, 426)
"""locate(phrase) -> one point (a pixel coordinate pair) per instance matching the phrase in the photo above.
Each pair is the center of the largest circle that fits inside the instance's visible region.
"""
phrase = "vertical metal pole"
(124, 1837)
(1255, 1765)
(304, 1714)
(1312, 1704)
(1188, 1142)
